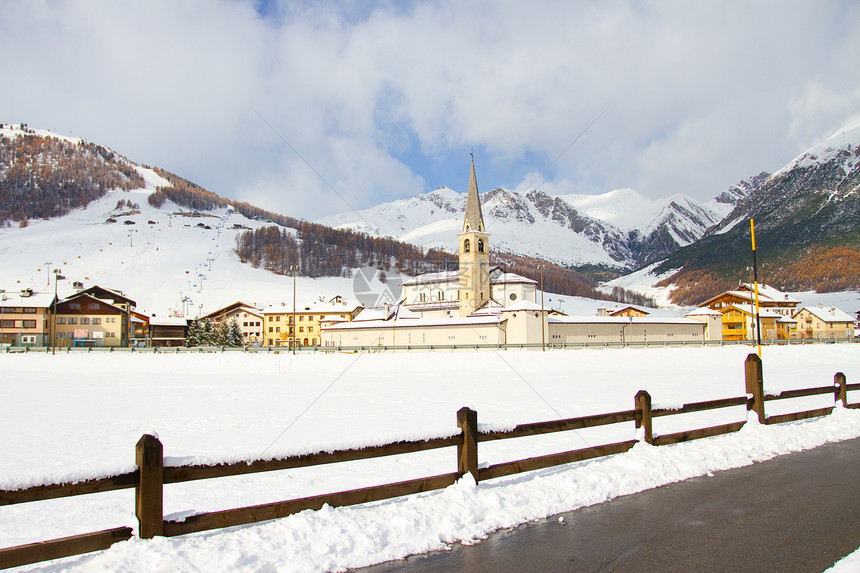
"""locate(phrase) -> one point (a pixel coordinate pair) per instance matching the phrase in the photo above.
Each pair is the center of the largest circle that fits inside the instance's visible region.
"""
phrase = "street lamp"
(57, 277)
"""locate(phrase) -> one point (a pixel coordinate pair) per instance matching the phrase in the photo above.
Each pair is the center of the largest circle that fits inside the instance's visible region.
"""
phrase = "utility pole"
(755, 279)
(293, 327)
(57, 277)
(542, 315)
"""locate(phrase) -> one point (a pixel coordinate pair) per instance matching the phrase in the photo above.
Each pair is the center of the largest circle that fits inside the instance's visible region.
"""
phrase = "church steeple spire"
(474, 286)
(474, 220)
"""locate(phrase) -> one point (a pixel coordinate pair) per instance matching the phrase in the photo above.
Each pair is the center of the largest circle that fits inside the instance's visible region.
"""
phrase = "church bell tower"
(474, 285)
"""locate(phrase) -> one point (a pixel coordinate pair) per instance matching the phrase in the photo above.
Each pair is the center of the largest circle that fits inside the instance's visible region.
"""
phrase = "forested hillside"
(317, 250)
(42, 177)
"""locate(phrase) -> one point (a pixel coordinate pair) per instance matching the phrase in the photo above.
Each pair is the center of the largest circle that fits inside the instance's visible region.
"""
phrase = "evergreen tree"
(194, 331)
(222, 332)
(235, 339)
(207, 334)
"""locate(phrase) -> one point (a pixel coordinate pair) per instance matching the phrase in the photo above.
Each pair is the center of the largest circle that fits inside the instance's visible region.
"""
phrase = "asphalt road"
(796, 513)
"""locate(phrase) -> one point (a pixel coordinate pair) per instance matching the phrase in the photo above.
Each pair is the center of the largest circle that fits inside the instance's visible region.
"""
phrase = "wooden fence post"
(755, 386)
(149, 491)
(643, 414)
(467, 451)
(841, 389)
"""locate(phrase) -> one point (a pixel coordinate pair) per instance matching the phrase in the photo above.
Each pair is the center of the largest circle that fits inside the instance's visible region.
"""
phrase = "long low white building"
(520, 324)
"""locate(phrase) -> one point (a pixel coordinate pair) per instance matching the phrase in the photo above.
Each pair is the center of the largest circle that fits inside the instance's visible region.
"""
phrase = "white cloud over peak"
(278, 103)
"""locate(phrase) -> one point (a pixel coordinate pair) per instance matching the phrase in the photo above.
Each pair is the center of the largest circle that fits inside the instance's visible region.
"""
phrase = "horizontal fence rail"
(152, 475)
(429, 347)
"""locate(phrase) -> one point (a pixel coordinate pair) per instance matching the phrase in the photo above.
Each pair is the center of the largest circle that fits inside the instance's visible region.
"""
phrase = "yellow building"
(768, 297)
(25, 318)
(284, 327)
(84, 320)
(823, 322)
(739, 322)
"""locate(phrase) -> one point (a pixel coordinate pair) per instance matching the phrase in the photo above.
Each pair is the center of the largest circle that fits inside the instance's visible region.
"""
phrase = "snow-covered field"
(73, 416)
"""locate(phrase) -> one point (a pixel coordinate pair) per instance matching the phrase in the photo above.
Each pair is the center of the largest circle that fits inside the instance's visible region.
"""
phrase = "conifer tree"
(207, 334)
(194, 331)
(222, 333)
(235, 339)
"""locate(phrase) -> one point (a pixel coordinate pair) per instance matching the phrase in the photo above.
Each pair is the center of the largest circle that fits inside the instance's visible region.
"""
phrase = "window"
(302, 318)
(278, 318)
(271, 329)
(29, 323)
(310, 329)
(29, 310)
(110, 334)
(513, 296)
(28, 339)
(244, 324)
(85, 320)
(301, 329)
(97, 321)
(7, 324)
(75, 305)
(271, 319)
(277, 329)
(467, 246)
(7, 310)
(93, 305)
(73, 320)
(480, 245)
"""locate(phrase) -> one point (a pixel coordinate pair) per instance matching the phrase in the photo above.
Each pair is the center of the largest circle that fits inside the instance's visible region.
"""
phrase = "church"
(483, 305)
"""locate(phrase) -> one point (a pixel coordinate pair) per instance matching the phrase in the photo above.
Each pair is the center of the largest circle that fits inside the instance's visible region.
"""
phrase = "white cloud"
(693, 95)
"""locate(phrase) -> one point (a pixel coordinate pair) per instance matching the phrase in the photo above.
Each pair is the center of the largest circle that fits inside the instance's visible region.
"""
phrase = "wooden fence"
(151, 476)
(425, 347)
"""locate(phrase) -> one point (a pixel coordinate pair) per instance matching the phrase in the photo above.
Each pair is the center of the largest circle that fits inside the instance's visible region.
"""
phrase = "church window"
(480, 245)
(467, 246)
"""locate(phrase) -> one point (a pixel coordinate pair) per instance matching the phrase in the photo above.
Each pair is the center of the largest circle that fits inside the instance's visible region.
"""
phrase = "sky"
(316, 108)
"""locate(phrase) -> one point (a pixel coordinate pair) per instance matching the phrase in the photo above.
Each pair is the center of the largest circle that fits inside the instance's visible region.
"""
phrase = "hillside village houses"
(780, 315)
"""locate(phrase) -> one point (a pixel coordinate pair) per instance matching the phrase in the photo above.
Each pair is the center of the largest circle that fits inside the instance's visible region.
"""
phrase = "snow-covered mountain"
(620, 228)
(168, 259)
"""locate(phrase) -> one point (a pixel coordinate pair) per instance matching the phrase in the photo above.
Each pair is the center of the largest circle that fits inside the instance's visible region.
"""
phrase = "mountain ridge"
(620, 228)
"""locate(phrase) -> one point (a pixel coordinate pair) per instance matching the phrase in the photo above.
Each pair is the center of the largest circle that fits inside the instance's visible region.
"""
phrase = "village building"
(768, 297)
(83, 320)
(247, 316)
(738, 310)
(25, 318)
(284, 326)
(623, 311)
(139, 329)
(713, 321)
(480, 304)
(824, 323)
(168, 331)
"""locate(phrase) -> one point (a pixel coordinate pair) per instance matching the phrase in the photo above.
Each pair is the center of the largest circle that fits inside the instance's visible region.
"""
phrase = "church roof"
(474, 220)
